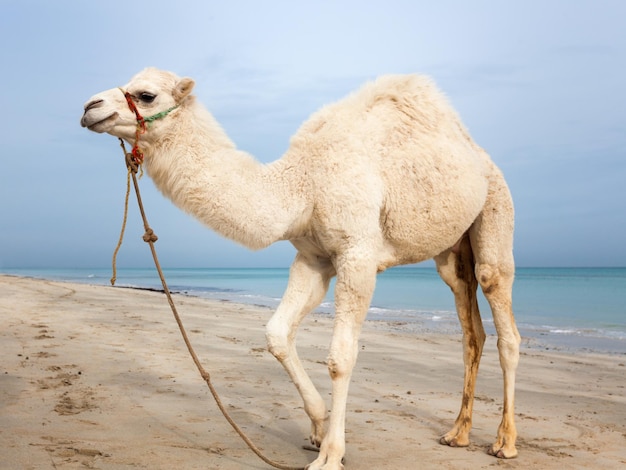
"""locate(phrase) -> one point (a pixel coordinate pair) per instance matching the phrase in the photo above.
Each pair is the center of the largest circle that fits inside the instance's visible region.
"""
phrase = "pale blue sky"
(539, 84)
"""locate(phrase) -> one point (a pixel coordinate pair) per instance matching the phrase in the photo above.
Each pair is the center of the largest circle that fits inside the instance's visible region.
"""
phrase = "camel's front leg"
(353, 292)
(308, 284)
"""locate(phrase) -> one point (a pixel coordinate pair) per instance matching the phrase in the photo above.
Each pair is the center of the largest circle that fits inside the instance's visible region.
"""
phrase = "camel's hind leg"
(491, 238)
(308, 284)
(456, 268)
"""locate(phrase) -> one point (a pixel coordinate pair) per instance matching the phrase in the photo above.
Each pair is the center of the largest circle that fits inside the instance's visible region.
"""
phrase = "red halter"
(141, 128)
(142, 122)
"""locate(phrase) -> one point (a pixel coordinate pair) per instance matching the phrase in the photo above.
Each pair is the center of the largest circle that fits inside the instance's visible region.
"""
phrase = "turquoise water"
(561, 308)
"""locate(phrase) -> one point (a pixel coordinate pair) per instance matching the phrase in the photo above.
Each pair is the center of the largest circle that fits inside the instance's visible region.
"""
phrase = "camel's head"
(153, 91)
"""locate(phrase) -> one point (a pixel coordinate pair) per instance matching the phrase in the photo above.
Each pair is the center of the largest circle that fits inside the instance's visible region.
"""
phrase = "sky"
(539, 84)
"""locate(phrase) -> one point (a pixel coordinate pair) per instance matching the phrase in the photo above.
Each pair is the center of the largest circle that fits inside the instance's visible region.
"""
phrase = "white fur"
(386, 176)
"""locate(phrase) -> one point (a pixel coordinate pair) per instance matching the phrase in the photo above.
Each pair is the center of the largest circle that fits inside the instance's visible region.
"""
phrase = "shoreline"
(98, 377)
(533, 337)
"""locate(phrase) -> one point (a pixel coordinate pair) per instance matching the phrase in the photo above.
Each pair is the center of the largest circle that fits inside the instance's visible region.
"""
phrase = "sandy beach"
(98, 377)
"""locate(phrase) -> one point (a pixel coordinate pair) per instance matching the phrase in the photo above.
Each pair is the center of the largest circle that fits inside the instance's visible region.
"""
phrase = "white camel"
(387, 176)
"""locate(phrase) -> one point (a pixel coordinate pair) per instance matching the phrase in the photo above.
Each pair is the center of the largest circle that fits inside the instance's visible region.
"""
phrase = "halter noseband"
(142, 123)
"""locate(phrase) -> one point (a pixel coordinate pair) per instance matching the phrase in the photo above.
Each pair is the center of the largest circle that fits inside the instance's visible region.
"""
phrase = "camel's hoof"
(453, 442)
(317, 432)
(313, 466)
(502, 452)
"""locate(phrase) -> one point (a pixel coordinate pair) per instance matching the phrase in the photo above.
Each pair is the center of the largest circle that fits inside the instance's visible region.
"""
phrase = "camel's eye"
(146, 97)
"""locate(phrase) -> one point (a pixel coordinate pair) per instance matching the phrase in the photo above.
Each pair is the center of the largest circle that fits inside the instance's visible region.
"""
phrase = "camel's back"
(397, 150)
(397, 119)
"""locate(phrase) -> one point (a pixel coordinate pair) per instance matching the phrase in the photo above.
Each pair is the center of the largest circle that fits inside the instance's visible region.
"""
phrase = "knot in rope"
(150, 236)
(131, 164)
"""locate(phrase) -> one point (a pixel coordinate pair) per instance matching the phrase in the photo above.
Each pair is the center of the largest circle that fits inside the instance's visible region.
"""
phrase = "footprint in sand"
(73, 403)
(43, 331)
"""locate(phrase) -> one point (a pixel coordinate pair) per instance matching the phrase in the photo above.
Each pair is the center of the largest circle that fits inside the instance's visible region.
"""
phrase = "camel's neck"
(196, 165)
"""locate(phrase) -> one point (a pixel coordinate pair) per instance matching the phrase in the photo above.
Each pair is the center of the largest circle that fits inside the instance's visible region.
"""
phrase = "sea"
(563, 309)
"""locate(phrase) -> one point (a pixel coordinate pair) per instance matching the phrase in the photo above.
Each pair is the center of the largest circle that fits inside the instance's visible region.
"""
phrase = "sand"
(98, 377)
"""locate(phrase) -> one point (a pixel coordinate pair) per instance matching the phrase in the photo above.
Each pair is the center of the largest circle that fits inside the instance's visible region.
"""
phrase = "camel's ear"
(183, 88)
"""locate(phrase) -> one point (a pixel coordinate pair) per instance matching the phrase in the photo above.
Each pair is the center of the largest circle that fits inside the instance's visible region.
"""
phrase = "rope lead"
(150, 238)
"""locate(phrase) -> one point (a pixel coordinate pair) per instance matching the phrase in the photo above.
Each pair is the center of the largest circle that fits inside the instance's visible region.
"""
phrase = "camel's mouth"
(99, 126)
